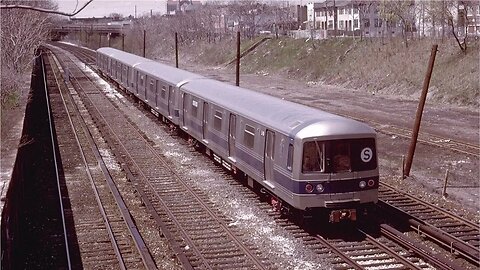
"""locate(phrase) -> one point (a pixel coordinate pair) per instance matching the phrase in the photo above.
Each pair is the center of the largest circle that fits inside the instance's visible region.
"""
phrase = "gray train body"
(303, 157)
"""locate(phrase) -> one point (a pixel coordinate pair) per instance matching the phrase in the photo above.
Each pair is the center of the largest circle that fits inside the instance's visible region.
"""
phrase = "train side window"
(141, 80)
(164, 92)
(152, 85)
(249, 136)
(290, 157)
(194, 108)
(217, 120)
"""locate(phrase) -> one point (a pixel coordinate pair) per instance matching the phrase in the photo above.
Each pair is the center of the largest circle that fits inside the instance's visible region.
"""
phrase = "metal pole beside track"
(144, 35)
(418, 118)
(176, 49)
(237, 77)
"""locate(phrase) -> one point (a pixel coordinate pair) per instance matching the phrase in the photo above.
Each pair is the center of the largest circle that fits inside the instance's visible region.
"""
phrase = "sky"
(101, 8)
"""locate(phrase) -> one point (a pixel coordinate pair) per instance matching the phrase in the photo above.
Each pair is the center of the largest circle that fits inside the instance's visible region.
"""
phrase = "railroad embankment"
(31, 213)
(377, 66)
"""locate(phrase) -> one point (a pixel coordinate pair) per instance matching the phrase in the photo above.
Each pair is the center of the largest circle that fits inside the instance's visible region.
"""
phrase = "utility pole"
(418, 117)
(176, 50)
(237, 74)
(144, 43)
(335, 17)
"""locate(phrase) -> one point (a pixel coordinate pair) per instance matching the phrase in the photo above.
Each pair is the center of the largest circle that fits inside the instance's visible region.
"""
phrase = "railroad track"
(389, 251)
(106, 225)
(426, 138)
(199, 230)
(371, 245)
(456, 234)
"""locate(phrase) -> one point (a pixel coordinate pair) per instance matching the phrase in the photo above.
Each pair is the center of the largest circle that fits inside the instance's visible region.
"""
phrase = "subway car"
(306, 160)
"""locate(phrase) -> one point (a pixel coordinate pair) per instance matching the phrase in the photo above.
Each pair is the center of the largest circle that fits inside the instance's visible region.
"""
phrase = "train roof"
(288, 117)
(160, 71)
(167, 73)
(124, 57)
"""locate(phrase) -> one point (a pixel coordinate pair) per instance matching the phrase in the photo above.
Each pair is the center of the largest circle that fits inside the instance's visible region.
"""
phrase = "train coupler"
(343, 214)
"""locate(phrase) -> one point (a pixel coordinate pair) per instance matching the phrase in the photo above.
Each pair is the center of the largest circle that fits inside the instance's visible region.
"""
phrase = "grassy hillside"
(388, 68)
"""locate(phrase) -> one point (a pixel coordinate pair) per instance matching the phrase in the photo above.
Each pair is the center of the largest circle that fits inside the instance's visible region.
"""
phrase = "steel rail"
(187, 187)
(398, 237)
(392, 253)
(456, 217)
(138, 240)
(339, 253)
(450, 242)
(87, 170)
(55, 161)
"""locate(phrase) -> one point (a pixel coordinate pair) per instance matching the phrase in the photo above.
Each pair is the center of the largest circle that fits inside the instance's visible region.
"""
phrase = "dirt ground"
(429, 164)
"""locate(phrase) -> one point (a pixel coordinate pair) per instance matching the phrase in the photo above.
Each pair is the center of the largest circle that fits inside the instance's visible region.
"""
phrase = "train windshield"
(313, 154)
(338, 156)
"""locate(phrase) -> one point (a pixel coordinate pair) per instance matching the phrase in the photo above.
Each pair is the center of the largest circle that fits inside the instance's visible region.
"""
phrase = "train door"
(269, 154)
(128, 76)
(137, 81)
(145, 87)
(171, 101)
(156, 94)
(206, 109)
(231, 135)
(184, 108)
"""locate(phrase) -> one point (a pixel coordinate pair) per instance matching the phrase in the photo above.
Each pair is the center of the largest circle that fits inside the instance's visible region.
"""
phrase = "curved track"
(456, 234)
(107, 225)
(199, 230)
(378, 251)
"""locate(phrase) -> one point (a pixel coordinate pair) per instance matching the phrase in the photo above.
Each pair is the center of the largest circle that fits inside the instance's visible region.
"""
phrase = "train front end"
(337, 169)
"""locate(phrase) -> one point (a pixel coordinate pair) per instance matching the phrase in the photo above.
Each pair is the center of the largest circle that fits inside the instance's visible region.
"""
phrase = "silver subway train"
(305, 159)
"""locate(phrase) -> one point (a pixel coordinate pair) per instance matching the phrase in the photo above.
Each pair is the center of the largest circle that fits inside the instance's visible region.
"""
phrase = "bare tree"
(34, 5)
(459, 25)
(22, 32)
(402, 12)
(246, 14)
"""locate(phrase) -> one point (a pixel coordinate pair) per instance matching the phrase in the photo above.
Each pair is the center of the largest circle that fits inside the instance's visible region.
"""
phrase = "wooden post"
(123, 42)
(237, 77)
(444, 193)
(176, 50)
(403, 166)
(418, 118)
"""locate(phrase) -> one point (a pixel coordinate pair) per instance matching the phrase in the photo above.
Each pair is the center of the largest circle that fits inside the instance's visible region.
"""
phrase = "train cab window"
(341, 156)
(249, 136)
(164, 92)
(313, 153)
(194, 108)
(141, 80)
(217, 121)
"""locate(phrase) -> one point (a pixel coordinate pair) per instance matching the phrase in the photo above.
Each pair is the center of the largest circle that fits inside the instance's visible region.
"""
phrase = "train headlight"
(371, 182)
(362, 184)
(320, 188)
(309, 188)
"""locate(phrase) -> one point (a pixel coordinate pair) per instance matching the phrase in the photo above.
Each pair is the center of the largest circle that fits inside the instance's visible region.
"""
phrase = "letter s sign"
(366, 154)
